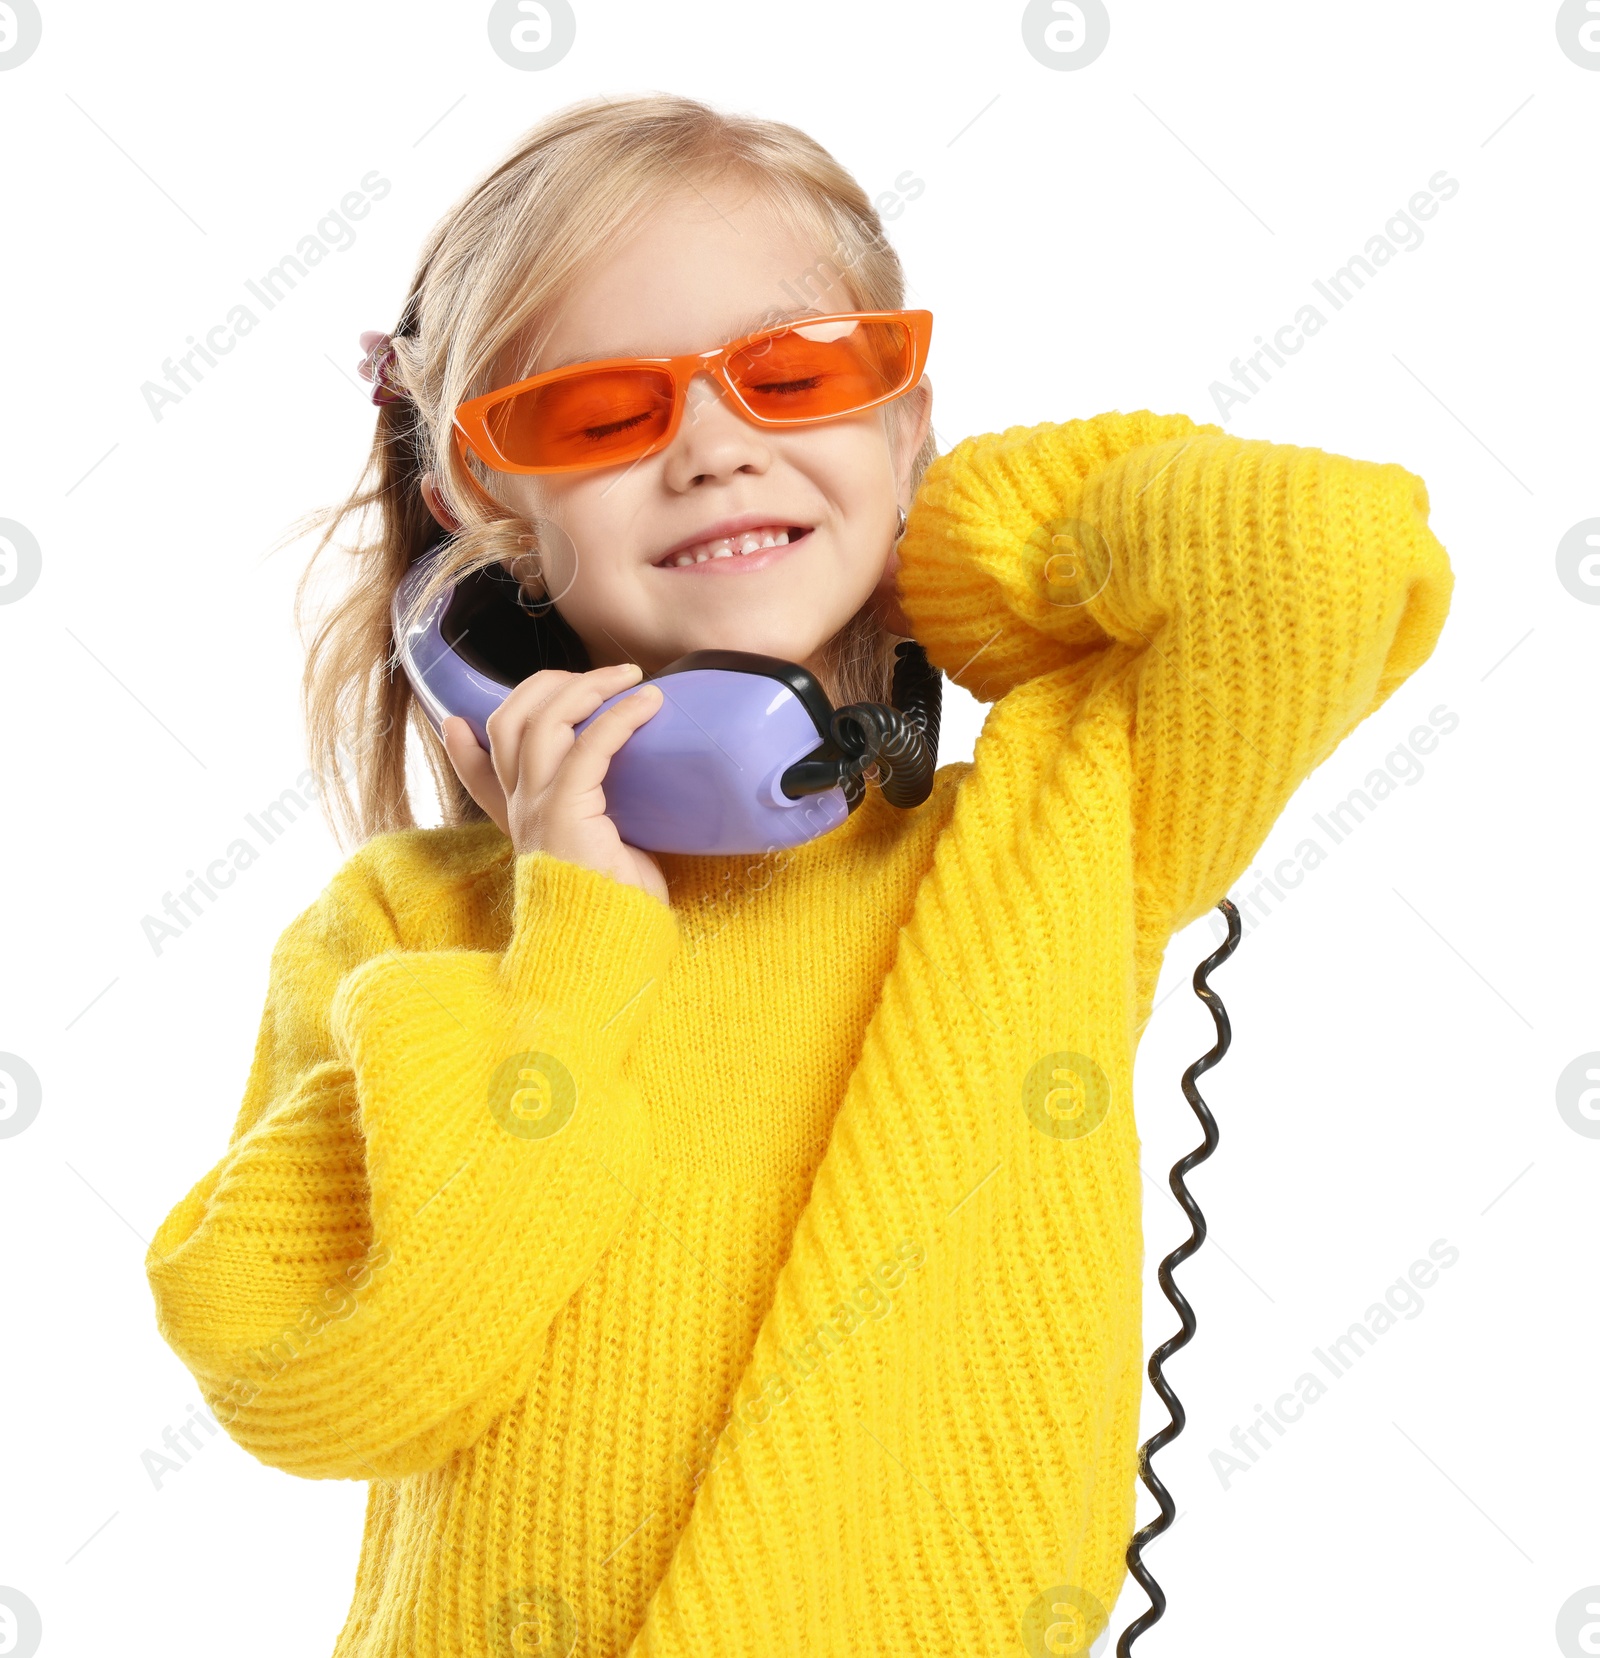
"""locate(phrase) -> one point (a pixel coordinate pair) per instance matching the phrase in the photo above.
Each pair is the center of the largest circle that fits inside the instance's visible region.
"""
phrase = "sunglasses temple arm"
(495, 508)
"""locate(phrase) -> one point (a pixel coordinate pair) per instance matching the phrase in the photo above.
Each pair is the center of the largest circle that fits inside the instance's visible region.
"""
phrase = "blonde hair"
(493, 269)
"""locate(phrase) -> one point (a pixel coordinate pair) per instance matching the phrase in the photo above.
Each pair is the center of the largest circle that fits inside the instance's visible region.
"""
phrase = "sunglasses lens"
(815, 371)
(585, 420)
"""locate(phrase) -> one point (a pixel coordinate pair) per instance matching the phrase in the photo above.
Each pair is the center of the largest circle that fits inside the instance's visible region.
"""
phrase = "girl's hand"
(543, 785)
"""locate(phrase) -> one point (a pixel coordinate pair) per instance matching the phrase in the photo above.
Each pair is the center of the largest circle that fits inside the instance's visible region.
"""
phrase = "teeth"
(728, 547)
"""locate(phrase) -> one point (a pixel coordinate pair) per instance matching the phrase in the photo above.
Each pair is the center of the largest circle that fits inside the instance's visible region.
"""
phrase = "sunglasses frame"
(471, 422)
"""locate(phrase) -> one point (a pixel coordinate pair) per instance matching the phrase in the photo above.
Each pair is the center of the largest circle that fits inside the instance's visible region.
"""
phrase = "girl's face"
(703, 270)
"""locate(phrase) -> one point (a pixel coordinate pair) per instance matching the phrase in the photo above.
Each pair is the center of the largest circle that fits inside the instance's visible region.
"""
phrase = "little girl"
(705, 1256)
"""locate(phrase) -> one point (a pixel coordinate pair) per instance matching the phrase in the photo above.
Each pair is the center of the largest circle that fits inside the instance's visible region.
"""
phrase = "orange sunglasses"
(603, 413)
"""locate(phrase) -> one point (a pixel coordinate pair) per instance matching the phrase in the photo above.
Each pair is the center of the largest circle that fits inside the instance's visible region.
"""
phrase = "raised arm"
(434, 1149)
(1253, 602)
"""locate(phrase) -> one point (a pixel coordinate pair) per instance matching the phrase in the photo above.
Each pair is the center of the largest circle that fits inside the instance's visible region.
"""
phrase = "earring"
(900, 526)
(524, 579)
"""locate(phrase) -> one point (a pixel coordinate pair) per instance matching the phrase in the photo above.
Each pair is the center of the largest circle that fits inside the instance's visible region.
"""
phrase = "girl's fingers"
(474, 768)
(531, 732)
(508, 724)
(592, 750)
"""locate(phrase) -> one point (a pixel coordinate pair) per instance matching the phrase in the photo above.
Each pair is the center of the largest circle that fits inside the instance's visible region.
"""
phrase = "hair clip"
(376, 365)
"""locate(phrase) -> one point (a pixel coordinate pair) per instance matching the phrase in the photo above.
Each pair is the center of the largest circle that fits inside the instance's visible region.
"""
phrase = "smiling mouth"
(754, 549)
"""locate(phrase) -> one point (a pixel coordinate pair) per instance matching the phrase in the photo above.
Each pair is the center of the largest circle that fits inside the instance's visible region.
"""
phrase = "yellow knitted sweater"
(760, 1273)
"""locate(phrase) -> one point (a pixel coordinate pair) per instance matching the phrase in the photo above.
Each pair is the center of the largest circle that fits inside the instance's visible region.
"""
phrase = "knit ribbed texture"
(761, 1273)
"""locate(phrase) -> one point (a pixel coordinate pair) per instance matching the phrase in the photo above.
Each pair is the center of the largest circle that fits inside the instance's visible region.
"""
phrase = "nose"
(713, 438)
(704, 388)
(709, 411)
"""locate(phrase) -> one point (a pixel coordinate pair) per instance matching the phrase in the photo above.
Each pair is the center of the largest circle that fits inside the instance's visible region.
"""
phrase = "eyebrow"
(749, 325)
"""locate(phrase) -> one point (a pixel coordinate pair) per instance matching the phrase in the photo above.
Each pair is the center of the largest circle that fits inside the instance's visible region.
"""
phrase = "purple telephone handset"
(745, 753)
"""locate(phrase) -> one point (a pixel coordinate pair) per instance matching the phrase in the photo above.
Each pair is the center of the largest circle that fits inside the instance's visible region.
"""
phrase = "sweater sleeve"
(435, 1148)
(1251, 602)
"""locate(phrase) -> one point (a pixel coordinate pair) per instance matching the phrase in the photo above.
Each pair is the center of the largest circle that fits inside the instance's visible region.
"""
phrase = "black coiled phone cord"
(902, 740)
(1136, 1565)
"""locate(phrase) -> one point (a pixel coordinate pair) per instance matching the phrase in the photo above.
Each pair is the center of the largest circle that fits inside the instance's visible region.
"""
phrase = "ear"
(436, 504)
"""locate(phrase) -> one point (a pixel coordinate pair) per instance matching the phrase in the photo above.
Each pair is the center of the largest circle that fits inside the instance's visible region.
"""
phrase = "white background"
(1107, 238)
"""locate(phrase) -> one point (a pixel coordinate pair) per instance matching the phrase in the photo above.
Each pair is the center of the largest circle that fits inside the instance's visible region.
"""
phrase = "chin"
(740, 640)
(758, 635)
